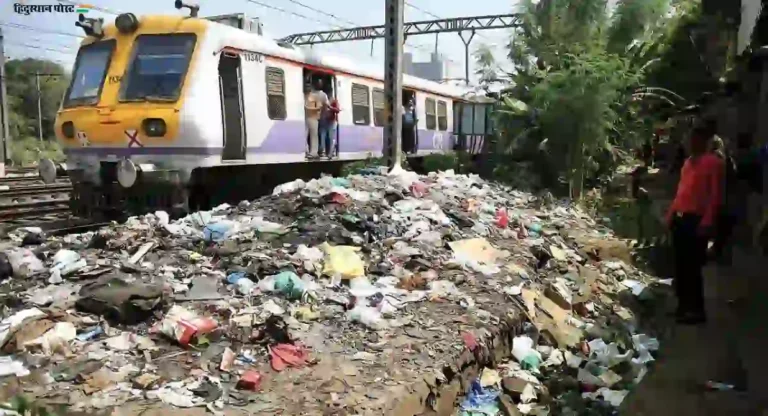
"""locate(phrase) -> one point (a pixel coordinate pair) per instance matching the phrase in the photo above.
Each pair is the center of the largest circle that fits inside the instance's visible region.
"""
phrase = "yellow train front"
(180, 112)
(121, 117)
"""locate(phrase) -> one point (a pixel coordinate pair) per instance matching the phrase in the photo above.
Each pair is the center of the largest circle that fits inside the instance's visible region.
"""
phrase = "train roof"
(245, 40)
(240, 39)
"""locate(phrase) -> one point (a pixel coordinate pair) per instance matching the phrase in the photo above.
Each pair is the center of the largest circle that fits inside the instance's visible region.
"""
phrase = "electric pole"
(39, 108)
(4, 128)
(393, 81)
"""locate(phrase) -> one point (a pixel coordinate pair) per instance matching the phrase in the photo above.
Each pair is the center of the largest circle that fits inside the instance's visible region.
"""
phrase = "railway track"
(23, 195)
(33, 209)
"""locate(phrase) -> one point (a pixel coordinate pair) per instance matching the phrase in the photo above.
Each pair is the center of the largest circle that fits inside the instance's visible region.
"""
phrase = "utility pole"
(39, 108)
(394, 38)
(466, 53)
(4, 129)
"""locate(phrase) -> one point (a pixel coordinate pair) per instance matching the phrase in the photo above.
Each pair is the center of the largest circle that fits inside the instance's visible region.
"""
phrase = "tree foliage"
(586, 76)
(22, 93)
(486, 65)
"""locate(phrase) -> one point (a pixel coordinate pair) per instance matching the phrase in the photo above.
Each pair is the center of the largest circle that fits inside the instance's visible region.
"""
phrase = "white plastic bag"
(370, 317)
(24, 262)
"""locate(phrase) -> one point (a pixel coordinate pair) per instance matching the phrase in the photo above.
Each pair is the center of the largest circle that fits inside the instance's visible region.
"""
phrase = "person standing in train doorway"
(409, 126)
(316, 101)
(328, 123)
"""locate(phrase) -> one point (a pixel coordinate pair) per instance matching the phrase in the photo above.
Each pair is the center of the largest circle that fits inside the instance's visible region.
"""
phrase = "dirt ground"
(729, 348)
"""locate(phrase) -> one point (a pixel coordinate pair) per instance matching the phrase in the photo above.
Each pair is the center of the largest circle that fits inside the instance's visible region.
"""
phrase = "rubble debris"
(303, 299)
(119, 300)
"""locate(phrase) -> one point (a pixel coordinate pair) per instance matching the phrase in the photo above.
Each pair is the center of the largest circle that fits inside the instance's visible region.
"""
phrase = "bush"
(442, 162)
(29, 150)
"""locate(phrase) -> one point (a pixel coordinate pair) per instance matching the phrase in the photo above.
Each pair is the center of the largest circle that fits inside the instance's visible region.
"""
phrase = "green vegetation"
(590, 84)
(29, 150)
(22, 93)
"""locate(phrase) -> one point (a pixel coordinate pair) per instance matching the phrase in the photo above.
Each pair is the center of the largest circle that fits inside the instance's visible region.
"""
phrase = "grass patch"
(27, 151)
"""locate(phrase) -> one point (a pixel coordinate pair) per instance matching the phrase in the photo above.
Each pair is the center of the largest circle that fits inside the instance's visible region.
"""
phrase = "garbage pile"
(338, 293)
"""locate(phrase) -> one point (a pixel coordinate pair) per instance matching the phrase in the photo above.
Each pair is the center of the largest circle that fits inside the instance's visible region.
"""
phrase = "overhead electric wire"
(26, 45)
(269, 6)
(428, 13)
(39, 30)
(341, 19)
(331, 15)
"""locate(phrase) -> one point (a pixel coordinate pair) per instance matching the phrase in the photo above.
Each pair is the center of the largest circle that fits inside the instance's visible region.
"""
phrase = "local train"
(168, 111)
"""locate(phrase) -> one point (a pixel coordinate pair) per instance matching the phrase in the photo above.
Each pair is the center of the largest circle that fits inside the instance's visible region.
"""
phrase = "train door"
(321, 139)
(231, 90)
(410, 128)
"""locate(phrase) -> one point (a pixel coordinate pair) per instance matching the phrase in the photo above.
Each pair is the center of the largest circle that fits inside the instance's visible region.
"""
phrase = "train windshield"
(158, 67)
(90, 71)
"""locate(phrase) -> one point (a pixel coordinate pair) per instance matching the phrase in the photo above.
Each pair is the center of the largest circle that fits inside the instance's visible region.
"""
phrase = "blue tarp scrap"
(480, 401)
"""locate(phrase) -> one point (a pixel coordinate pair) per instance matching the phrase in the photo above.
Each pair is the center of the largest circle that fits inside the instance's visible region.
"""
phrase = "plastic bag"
(370, 317)
(290, 285)
(218, 231)
(525, 354)
(502, 218)
(343, 261)
(24, 262)
(480, 400)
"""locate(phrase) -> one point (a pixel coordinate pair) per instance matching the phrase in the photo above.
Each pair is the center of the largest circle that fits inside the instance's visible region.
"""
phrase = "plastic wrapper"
(183, 325)
(343, 260)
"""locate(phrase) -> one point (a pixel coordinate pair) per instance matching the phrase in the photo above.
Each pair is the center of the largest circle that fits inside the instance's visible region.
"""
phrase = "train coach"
(180, 112)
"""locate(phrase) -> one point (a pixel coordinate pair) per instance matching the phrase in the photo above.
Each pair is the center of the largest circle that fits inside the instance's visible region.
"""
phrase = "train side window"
(378, 107)
(429, 107)
(275, 78)
(361, 107)
(442, 116)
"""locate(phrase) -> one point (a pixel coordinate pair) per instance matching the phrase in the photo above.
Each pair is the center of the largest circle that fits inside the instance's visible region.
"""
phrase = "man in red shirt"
(690, 218)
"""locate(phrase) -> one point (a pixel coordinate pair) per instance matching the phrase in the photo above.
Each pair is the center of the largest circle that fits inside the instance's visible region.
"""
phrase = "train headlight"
(127, 23)
(127, 173)
(154, 127)
(68, 129)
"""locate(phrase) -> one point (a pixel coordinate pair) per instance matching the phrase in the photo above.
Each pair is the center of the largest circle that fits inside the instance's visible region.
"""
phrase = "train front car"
(122, 121)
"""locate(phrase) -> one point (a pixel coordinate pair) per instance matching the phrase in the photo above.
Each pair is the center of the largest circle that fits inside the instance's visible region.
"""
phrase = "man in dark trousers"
(691, 218)
(731, 208)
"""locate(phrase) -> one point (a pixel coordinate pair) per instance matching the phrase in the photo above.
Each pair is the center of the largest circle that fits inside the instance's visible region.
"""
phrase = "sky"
(36, 41)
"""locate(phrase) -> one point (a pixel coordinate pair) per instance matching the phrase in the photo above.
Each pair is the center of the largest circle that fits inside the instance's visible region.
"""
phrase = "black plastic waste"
(33, 239)
(6, 270)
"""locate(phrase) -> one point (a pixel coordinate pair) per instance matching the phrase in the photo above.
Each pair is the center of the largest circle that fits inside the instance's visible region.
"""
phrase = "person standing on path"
(690, 218)
(730, 209)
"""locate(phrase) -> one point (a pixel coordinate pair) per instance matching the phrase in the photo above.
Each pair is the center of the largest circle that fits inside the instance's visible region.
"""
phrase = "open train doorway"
(230, 88)
(410, 132)
(321, 126)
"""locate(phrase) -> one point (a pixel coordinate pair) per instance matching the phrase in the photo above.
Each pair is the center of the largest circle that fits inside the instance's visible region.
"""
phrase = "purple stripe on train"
(287, 137)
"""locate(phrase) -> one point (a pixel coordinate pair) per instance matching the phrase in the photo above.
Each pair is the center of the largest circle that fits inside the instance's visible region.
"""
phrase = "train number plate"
(253, 57)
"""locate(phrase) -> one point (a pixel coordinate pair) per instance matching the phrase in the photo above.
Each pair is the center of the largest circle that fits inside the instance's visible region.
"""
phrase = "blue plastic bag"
(480, 401)
(216, 231)
(234, 277)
